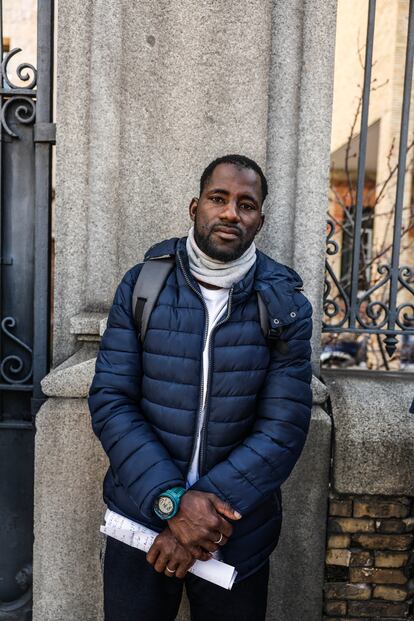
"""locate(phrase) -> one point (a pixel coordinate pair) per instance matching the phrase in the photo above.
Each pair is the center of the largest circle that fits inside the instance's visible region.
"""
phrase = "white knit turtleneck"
(214, 272)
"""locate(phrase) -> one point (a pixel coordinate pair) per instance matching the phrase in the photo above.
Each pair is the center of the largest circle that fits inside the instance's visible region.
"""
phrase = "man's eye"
(217, 199)
(247, 206)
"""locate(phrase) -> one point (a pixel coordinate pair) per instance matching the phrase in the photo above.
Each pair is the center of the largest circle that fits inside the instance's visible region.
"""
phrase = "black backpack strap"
(150, 281)
(272, 335)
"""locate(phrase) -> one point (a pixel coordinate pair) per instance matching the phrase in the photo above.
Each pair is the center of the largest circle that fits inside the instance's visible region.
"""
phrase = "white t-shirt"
(216, 302)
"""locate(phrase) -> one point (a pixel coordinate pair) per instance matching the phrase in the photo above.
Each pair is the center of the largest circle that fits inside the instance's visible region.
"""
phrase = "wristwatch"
(166, 505)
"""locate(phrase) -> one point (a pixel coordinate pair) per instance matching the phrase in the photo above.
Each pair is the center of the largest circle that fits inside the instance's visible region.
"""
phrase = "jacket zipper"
(200, 404)
(203, 431)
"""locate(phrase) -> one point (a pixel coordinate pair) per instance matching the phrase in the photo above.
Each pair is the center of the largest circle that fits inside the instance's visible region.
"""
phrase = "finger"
(225, 509)
(207, 544)
(160, 563)
(152, 554)
(170, 569)
(223, 526)
(182, 569)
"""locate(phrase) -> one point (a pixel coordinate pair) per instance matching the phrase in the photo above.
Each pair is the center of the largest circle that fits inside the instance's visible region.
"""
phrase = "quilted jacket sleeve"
(138, 459)
(265, 459)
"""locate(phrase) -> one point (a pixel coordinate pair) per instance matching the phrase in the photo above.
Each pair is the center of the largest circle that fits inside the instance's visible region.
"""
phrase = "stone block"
(374, 437)
(68, 509)
(72, 378)
(350, 525)
(346, 590)
(305, 505)
(390, 559)
(390, 593)
(380, 508)
(320, 391)
(86, 323)
(383, 542)
(386, 610)
(339, 541)
(338, 557)
(377, 575)
(340, 508)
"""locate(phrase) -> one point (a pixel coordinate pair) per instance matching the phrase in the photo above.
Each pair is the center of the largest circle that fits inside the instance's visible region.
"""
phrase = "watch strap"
(175, 494)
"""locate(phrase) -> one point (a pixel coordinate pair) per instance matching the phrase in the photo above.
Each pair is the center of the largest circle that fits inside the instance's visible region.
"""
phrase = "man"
(205, 419)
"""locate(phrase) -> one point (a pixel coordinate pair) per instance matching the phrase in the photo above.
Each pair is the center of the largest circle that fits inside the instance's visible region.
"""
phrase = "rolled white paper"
(142, 538)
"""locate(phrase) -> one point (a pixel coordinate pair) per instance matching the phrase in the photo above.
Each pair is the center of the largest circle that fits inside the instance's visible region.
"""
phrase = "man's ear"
(262, 219)
(193, 208)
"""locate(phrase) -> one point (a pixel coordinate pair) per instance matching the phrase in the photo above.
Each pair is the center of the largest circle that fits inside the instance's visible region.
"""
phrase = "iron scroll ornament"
(13, 364)
(371, 316)
(332, 307)
(25, 112)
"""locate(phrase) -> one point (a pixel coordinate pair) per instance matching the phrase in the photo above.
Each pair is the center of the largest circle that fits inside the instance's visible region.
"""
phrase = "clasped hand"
(192, 534)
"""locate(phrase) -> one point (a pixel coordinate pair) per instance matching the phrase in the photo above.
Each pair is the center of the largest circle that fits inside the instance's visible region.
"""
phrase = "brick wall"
(369, 572)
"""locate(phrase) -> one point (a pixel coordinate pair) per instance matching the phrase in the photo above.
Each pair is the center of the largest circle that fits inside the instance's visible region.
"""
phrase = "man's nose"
(231, 212)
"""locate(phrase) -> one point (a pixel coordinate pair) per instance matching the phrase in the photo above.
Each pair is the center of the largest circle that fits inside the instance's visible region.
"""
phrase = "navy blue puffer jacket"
(144, 400)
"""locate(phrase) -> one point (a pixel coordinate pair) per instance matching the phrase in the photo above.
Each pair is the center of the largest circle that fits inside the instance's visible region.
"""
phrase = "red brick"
(345, 590)
(335, 608)
(361, 558)
(376, 608)
(390, 526)
(381, 508)
(377, 575)
(340, 508)
(390, 593)
(409, 524)
(391, 559)
(350, 525)
(338, 557)
(353, 619)
(383, 542)
(339, 541)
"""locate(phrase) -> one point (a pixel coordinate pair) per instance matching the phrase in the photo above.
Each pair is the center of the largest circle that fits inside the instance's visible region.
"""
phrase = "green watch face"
(165, 505)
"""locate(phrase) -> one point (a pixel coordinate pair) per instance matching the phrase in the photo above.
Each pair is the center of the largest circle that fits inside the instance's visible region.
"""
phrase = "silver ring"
(172, 571)
(219, 541)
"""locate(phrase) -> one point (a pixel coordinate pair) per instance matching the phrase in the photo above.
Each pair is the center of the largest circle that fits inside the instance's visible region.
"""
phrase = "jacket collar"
(275, 281)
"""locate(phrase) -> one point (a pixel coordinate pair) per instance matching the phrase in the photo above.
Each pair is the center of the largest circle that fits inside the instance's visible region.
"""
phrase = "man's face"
(228, 213)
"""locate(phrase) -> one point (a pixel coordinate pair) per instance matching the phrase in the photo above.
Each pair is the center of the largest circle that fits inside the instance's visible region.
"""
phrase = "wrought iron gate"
(354, 302)
(27, 135)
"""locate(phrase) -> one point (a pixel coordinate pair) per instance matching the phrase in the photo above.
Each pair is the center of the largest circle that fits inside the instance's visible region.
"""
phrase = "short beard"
(207, 246)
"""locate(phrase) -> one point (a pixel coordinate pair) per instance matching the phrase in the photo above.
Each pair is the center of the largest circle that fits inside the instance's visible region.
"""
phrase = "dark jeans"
(134, 591)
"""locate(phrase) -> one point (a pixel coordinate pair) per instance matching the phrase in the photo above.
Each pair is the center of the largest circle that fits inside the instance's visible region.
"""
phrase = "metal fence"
(27, 135)
(354, 304)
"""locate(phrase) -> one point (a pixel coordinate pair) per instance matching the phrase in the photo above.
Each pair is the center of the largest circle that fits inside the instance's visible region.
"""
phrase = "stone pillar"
(299, 129)
(148, 96)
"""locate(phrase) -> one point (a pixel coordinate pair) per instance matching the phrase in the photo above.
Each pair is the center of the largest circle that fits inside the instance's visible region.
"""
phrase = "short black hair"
(240, 161)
